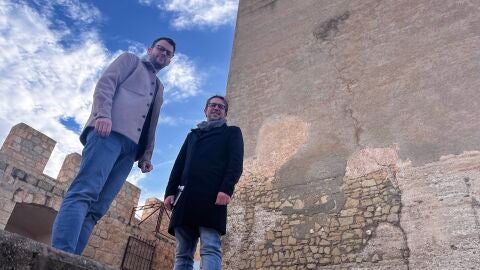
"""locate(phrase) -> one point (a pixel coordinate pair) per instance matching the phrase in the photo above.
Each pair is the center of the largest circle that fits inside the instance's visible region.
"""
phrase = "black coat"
(208, 162)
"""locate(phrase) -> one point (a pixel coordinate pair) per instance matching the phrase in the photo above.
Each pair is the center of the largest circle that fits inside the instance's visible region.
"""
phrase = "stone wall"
(28, 147)
(25, 188)
(359, 121)
(17, 252)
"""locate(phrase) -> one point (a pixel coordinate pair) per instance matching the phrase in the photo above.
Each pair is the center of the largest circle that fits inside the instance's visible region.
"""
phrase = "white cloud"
(198, 13)
(176, 121)
(135, 176)
(41, 81)
(80, 11)
(181, 78)
(75, 10)
(135, 47)
(167, 120)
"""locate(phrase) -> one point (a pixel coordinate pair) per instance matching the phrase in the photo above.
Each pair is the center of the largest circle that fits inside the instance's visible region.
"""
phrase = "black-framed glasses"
(164, 50)
(218, 105)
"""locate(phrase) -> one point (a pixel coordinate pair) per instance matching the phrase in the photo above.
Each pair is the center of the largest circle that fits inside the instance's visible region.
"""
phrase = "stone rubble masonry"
(361, 135)
(20, 253)
(22, 181)
(394, 217)
(28, 147)
(69, 169)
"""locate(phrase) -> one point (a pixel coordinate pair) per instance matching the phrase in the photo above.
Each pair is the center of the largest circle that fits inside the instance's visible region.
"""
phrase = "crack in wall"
(473, 204)
(406, 252)
(253, 7)
(348, 85)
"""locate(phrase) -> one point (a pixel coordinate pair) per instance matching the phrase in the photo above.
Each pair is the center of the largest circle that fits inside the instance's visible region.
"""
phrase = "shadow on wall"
(33, 221)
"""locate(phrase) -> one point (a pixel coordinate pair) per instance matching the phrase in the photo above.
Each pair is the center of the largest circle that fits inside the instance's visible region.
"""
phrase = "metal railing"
(156, 207)
(138, 254)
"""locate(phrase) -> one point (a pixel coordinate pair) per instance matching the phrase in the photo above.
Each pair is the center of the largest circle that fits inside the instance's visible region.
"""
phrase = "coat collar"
(203, 134)
(149, 64)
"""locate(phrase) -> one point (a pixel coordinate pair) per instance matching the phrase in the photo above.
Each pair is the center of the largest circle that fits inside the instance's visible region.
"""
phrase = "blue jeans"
(106, 163)
(210, 248)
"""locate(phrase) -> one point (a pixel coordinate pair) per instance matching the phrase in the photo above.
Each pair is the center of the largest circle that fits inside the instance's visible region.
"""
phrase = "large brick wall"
(361, 138)
(24, 187)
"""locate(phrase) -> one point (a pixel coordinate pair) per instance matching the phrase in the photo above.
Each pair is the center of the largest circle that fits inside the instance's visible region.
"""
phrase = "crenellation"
(22, 185)
(69, 169)
(28, 147)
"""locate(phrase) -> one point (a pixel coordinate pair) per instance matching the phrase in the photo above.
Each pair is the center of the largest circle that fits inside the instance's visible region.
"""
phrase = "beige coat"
(124, 94)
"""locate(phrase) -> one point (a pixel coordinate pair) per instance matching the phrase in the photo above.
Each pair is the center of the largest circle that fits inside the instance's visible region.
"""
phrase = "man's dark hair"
(220, 97)
(167, 39)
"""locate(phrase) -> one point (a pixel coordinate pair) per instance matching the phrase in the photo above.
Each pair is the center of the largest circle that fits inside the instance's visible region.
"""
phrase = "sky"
(52, 53)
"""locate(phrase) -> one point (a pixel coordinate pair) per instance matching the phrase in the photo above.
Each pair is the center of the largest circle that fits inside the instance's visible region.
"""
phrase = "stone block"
(58, 191)
(32, 180)
(3, 165)
(19, 174)
(45, 185)
(18, 252)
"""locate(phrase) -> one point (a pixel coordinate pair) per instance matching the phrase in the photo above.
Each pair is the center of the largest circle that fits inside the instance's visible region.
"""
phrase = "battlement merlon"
(70, 168)
(29, 147)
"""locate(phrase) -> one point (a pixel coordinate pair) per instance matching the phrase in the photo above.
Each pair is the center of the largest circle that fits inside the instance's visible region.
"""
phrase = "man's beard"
(158, 66)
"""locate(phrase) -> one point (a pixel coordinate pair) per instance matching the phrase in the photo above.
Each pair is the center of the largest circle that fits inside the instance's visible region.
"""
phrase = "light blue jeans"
(106, 163)
(210, 248)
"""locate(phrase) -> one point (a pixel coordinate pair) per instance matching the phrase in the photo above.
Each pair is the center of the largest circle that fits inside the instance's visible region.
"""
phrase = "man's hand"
(169, 202)
(222, 199)
(145, 165)
(103, 126)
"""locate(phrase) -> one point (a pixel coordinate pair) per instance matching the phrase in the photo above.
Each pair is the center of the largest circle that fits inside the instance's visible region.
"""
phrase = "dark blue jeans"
(106, 163)
(210, 248)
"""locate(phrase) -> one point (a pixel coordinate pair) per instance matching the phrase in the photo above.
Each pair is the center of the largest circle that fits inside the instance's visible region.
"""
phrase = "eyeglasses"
(164, 50)
(218, 105)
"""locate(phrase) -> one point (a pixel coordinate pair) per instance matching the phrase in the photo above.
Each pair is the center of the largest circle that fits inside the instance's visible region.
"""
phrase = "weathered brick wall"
(23, 157)
(28, 147)
(164, 254)
(358, 118)
(69, 169)
(19, 186)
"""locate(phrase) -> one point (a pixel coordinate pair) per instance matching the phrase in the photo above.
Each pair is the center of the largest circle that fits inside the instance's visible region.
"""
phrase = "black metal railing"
(138, 254)
(153, 208)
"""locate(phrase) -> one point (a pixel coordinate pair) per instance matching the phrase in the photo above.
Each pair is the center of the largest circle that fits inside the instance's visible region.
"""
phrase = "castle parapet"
(69, 169)
(29, 147)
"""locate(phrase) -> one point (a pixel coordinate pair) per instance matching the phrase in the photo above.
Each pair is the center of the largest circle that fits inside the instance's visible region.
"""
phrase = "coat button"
(143, 116)
(148, 104)
(153, 83)
(139, 129)
(151, 94)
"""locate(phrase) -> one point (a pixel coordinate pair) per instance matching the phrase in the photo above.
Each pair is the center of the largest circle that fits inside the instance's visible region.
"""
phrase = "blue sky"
(53, 51)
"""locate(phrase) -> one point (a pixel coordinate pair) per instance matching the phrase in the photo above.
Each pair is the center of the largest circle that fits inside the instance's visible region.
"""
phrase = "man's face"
(161, 54)
(215, 110)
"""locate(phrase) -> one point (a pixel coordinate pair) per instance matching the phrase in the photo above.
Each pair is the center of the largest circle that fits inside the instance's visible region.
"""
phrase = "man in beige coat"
(119, 131)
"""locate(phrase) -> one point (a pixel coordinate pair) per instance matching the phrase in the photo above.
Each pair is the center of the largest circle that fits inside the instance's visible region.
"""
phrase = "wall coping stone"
(18, 252)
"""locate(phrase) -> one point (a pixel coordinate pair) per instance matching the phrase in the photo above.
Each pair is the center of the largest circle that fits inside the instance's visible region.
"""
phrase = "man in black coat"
(201, 185)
